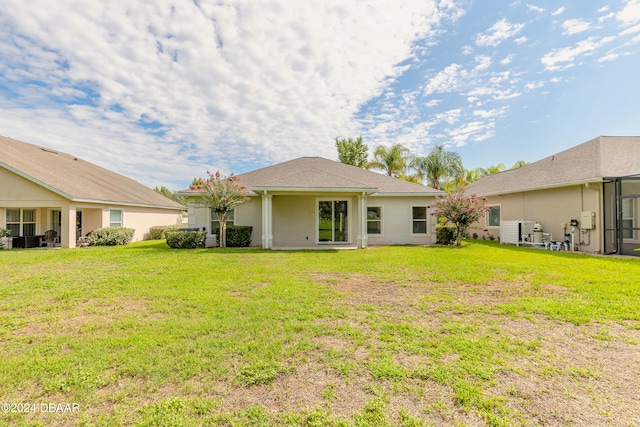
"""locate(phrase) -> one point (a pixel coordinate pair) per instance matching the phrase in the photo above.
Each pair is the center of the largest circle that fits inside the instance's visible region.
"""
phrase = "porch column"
(267, 223)
(362, 221)
(68, 227)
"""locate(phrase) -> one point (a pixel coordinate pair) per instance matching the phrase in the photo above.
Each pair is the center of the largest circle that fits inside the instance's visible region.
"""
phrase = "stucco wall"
(142, 219)
(397, 224)
(551, 208)
(14, 188)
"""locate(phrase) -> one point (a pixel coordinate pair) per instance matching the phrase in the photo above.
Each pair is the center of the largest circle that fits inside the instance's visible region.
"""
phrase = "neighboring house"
(43, 189)
(311, 202)
(596, 183)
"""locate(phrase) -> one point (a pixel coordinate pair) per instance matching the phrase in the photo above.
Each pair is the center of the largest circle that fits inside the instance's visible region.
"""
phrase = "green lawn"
(485, 334)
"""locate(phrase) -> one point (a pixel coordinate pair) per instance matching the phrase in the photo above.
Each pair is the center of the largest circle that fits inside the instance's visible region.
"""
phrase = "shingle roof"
(317, 173)
(602, 157)
(74, 178)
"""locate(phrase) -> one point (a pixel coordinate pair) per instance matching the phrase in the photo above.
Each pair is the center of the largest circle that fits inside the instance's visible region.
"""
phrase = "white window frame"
(214, 218)
(499, 216)
(426, 220)
(349, 221)
(381, 210)
(21, 222)
(630, 216)
(121, 218)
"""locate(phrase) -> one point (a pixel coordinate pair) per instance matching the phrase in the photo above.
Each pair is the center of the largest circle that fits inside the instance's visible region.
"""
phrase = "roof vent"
(49, 151)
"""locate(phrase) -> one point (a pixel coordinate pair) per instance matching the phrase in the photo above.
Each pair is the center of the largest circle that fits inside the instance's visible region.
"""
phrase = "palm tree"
(439, 167)
(493, 169)
(470, 175)
(393, 161)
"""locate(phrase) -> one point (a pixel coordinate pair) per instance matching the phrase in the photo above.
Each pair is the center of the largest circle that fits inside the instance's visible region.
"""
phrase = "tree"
(461, 211)
(171, 195)
(519, 164)
(222, 195)
(493, 169)
(352, 151)
(393, 161)
(439, 167)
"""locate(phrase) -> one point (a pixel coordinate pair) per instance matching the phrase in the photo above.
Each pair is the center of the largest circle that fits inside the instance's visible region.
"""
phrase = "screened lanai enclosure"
(621, 208)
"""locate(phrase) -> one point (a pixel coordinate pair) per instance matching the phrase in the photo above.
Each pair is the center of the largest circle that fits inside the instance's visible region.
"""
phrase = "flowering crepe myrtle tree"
(461, 211)
(222, 195)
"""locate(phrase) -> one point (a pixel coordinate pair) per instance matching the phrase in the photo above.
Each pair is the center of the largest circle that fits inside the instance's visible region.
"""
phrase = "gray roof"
(602, 157)
(76, 179)
(318, 174)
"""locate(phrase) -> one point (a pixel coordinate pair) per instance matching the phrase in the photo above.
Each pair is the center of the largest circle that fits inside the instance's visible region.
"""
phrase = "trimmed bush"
(238, 236)
(179, 239)
(445, 234)
(4, 232)
(111, 236)
(157, 232)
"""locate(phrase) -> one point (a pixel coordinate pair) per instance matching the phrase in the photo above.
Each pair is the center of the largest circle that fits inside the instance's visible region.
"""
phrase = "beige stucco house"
(43, 189)
(315, 203)
(596, 184)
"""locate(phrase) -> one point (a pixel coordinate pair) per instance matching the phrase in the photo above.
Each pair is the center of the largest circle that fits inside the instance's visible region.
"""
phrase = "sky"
(164, 90)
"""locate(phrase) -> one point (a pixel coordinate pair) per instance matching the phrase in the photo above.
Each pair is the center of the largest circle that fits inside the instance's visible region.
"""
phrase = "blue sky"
(163, 91)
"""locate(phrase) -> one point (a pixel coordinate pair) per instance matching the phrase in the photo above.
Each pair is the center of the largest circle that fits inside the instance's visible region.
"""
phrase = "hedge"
(238, 236)
(111, 236)
(445, 234)
(157, 232)
(179, 239)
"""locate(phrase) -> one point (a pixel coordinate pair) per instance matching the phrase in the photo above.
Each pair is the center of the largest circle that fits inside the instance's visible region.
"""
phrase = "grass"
(479, 335)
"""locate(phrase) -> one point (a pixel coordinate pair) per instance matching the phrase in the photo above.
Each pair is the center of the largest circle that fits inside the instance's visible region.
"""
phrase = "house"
(43, 189)
(312, 202)
(588, 195)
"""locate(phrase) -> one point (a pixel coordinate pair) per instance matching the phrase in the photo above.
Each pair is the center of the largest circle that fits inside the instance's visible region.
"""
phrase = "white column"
(362, 221)
(68, 227)
(267, 223)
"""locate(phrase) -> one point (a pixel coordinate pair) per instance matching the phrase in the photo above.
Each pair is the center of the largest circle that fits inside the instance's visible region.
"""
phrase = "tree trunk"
(222, 220)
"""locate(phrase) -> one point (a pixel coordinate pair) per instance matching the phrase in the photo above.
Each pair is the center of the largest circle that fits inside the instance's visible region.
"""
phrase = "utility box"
(588, 220)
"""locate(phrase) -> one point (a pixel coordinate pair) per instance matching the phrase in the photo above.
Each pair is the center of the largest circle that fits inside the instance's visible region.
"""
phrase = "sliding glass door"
(333, 221)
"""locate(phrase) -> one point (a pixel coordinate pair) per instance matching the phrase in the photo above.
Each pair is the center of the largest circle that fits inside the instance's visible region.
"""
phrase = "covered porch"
(312, 219)
(48, 226)
(621, 199)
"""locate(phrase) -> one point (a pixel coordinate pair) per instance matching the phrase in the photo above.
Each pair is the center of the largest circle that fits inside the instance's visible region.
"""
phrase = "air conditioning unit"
(513, 231)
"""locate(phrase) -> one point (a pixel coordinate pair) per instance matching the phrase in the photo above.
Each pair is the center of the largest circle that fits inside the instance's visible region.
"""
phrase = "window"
(215, 224)
(333, 221)
(115, 218)
(627, 219)
(419, 217)
(21, 222)
(374, 220)
(493, 216)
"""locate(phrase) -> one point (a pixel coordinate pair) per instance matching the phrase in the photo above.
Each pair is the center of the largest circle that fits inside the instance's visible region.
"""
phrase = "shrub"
(475, 236)
(157, 232)
(4, 232)
(179, 239)
(445, 234)
(111, 236)
(238, 236)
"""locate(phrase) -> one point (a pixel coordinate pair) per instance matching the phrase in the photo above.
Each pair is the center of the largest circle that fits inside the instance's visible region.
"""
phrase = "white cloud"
(521, 40)
(483, 62)
(507, 60)
(631, 30)
(575, 26)
(499, 32)
(433, 103)
(560, 59)
(603, 9)
(606, 17)
(609, 57)
(251, 82)
(558, 11)
(630, 14)
(535, 8)
(446, 80)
